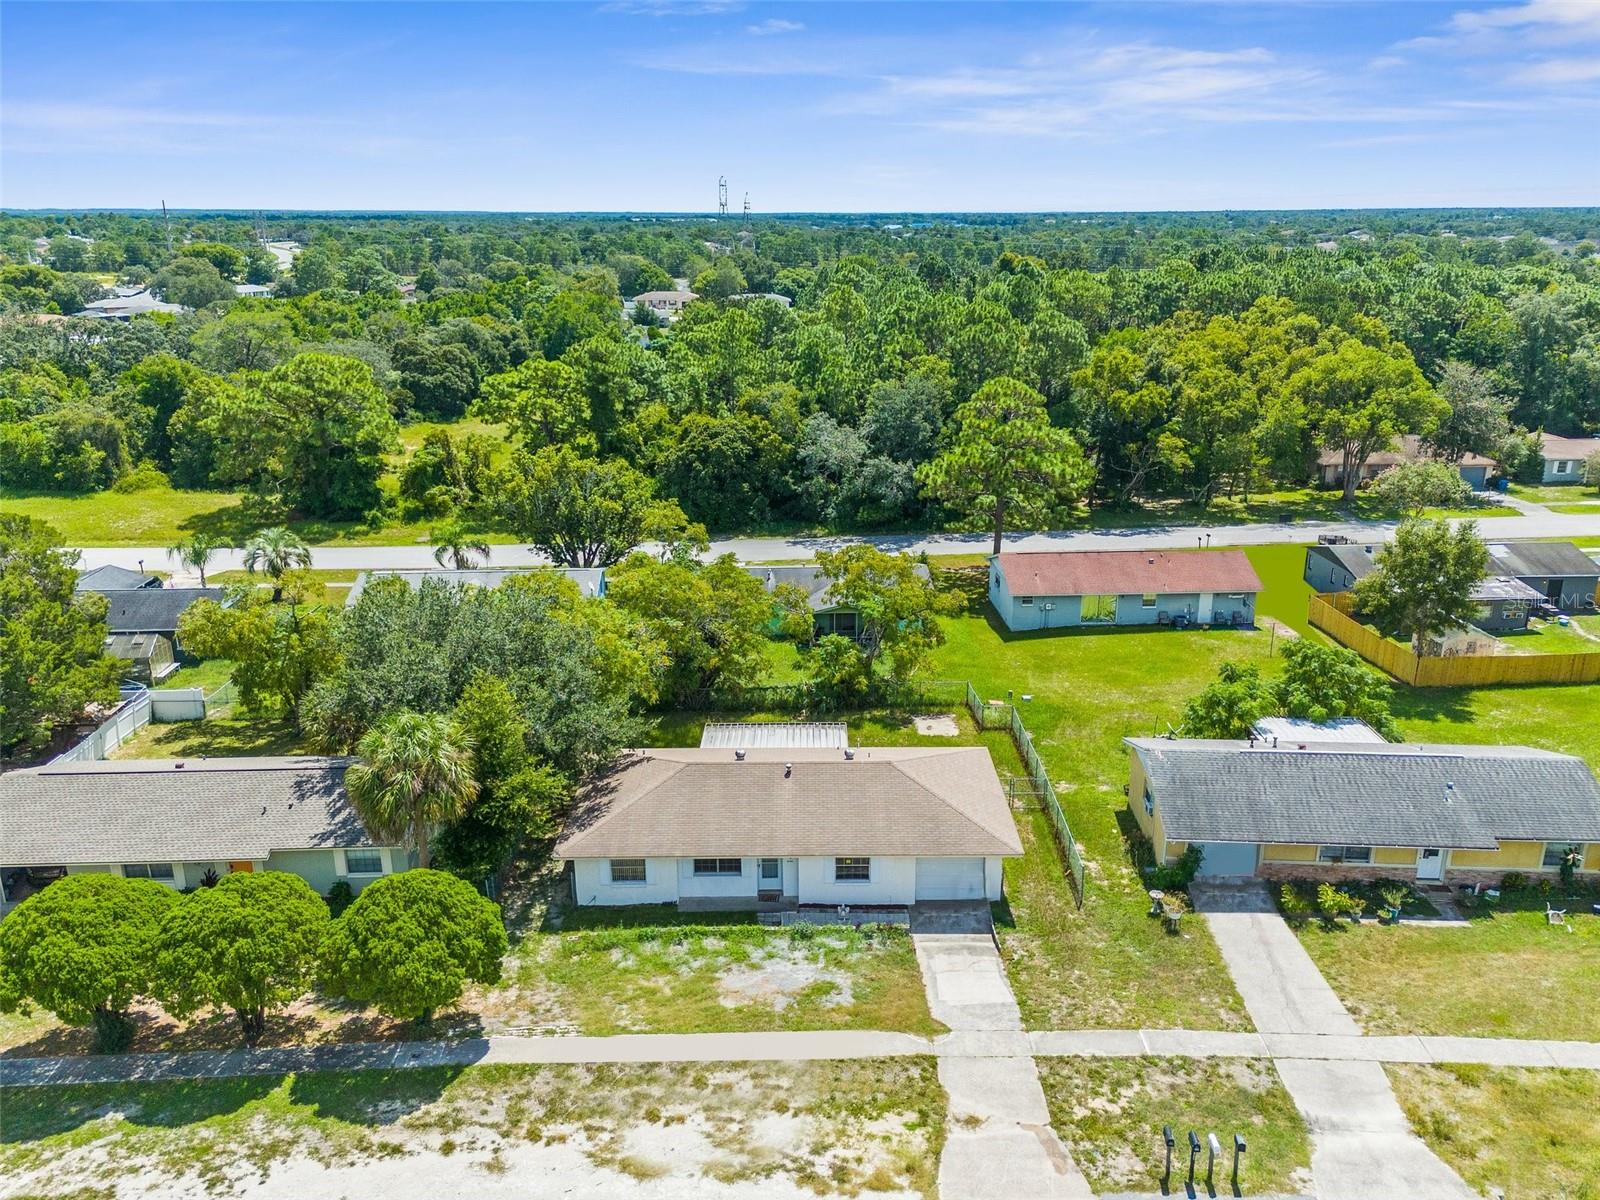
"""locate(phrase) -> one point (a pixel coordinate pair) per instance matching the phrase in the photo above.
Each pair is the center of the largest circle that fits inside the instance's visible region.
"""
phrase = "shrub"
(143, 478)
(1395, 896)
(1176, 877)
(1335, 903)
(1513, 881)
(339, 897)
(1293, 902)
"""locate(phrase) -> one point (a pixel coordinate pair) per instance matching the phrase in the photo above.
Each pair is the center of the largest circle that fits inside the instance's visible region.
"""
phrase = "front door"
(1430, 864)
(769, 875)
(245, 867)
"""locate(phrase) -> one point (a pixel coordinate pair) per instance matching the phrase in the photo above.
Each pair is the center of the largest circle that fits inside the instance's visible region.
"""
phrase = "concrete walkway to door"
(998, 1140)
(1362, 1146)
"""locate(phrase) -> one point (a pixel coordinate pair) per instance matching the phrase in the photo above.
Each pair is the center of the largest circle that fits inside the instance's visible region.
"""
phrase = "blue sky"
(641, 104)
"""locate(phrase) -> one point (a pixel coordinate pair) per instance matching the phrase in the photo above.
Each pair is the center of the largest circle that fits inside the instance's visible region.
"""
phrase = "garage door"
(1228, 858)
(949, 879)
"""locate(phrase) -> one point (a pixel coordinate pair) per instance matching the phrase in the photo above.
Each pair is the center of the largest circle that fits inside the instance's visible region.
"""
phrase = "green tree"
(278, 650)
(228, 261)
(276, 551)
(316, 270)
(519, 798)
(1478, 419)
(83, 949)
(195, 552)
(330, 427)
(1359, 398)
(365, 271)
(452, 544)
(1415, 486)
(249, 944)
(244, 340)
(1005, 463)
(52, 664)
(720, 281)
(542, 402)
(1324, 683)
(711, 620)
(441, 378)
(1230, 705)
(191, 282)
(582, 512)
(410, 943)
(1423, 582)
(414, 773)
(899, 608)
(150, 392)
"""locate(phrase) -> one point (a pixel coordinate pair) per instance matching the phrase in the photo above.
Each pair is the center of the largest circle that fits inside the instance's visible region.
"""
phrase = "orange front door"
(246, 867)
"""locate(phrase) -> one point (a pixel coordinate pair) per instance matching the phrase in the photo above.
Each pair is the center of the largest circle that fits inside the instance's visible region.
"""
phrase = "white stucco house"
(791, 827)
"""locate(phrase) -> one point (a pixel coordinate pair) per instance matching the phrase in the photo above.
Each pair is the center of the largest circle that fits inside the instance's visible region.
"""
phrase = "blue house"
(1063, 589)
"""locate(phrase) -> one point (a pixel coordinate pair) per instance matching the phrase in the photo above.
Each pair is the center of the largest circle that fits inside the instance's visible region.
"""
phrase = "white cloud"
(1523, 44)
(1557, 20)
(1555, 71)
(773, 26)
(672, 8)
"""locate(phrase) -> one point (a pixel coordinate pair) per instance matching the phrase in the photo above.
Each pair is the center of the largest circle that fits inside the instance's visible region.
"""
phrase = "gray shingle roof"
(110, 578)
(1541, 560)
(809, 578)
(900, 800)
(153, 810)
(1360, 561)
(152, 610)
(1458, 797)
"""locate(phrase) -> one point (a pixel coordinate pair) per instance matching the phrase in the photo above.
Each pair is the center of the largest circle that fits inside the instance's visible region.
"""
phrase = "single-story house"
(1559, 572)
(709, 828)
(591, 581)
(126, 307)
(173, 821)
(1564, 457)
(1504, 601)
(668, 304)
(111, 578)
(1337, 810)
(1052, 589)
(828, 616)
(775, 297)
(149, 656)
(1474, 468)
(153, 610)
(771, 735)
(252, 291)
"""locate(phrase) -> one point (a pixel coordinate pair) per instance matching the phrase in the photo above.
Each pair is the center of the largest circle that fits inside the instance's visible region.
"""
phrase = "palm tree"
(276, 551)
(415, 771)
(453, 543)
(195, 554)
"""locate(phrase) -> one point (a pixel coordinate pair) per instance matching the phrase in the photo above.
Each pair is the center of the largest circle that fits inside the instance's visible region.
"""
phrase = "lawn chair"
(1554, 916)
(1163, 618)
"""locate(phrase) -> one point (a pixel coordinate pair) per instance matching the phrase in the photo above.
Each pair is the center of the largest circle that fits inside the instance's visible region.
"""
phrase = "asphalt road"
(1528, 524)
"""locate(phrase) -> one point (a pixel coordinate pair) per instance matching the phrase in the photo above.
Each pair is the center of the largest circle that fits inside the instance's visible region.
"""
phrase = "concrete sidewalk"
(998, 1137)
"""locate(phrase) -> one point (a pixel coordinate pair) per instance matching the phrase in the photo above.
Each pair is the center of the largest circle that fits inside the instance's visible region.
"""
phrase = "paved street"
(1532, 523)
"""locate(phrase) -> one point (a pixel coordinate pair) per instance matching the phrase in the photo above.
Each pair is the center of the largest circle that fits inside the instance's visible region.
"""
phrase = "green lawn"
(224, 736)
(1530, 1133)
(1548, 637)
(335, 583)
(1558, 718)
(1110, 1112)
(209, 674)
(1553, 492)
(836, 1128)
(1509, 974)
(1592, 509)
(653, 970)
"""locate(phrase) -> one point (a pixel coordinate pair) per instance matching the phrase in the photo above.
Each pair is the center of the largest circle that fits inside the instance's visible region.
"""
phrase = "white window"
(1564, 466)
(627, 870)
(1555, 853)
(363, 862)
(719, 866)
(852, 870)
(147, 870)
(1149, 801)
(1025, 601)
(1344, 854)
(1147, 600)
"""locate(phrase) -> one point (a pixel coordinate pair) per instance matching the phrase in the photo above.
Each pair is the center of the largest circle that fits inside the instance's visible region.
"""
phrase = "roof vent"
(1368, 549)
(788, 769)
(739, 755)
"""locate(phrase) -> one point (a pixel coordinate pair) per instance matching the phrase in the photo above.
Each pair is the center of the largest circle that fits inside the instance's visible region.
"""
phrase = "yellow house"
(1341, 810)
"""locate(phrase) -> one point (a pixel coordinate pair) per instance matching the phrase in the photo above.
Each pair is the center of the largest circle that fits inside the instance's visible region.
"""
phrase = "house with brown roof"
(1564, 457)
(719, 827)
(1056, 589)
(1407, 448)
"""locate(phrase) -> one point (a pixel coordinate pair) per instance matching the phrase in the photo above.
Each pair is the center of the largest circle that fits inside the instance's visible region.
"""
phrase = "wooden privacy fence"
(1007, 717)
(1461, 671)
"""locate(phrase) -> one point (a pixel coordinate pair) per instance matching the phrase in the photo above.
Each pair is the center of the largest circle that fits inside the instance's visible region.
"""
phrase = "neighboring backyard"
(679, 1132)
(1528, 1133)
(1507, 974)
(1109, 1112)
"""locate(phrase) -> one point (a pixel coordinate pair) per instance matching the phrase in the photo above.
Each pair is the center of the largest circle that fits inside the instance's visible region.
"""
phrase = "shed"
(766, 735)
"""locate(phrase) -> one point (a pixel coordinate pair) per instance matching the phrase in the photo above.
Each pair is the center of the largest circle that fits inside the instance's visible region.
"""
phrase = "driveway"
(998, 1141)
(1362, 1146)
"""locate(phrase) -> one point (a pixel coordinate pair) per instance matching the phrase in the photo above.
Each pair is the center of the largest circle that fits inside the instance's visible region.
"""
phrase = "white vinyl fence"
(171, 704)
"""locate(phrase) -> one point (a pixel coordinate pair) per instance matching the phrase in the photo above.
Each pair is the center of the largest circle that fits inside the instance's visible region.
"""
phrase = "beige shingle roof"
(901, 800)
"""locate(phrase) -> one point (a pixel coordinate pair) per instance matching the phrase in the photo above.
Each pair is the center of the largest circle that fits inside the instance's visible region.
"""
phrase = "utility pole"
(747, 212)
(167, 222)
(722, 196)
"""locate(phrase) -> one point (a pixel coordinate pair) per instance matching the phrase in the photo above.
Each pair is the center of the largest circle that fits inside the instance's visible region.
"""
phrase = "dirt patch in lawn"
(779, 978)
(942, 725)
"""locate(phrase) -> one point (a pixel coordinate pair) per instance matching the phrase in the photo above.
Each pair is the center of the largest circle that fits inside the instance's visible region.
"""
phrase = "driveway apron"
(1362, 1146)
(998, 1142)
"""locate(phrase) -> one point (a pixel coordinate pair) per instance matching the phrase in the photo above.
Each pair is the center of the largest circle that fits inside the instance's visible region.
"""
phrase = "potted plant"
(1394, 899)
